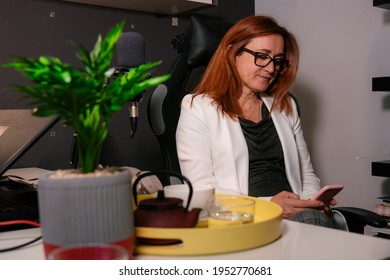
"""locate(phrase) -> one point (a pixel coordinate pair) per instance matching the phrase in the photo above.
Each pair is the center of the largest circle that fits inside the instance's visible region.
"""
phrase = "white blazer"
(212, 148)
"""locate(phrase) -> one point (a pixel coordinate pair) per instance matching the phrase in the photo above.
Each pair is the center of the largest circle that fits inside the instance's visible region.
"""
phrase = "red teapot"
(164, 212)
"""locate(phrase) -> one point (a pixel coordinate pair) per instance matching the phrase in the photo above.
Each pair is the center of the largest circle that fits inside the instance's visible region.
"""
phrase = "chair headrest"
(205, 37)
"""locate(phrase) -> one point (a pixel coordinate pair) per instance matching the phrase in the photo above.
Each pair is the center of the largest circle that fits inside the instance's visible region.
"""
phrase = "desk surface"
(298, 242)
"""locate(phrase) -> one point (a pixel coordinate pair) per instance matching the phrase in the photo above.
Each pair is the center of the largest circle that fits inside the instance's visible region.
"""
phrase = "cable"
(20, 222)
(20, 246)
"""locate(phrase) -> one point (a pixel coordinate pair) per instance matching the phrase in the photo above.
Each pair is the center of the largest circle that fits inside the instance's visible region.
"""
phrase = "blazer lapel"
(239, 154)
(286, 135)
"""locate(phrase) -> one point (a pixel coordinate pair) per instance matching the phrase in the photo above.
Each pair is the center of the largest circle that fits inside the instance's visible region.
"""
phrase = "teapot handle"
(150, 173)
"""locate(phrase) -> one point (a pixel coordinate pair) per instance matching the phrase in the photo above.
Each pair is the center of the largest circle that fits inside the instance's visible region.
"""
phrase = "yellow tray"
(204, 241)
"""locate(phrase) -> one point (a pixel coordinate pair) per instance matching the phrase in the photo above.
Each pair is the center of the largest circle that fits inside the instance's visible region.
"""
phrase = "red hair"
(221, 81)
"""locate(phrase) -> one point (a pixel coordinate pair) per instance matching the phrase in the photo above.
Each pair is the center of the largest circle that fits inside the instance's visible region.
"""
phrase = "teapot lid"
(161, 202)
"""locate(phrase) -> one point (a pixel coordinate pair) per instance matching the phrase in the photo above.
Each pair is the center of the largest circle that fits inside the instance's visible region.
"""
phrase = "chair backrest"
(195, 48)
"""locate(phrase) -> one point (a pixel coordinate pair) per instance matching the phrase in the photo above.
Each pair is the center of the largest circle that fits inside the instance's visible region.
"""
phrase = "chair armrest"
(357, 218)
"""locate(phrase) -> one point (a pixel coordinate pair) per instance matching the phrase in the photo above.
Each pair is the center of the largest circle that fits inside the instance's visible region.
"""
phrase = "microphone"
(130, 54)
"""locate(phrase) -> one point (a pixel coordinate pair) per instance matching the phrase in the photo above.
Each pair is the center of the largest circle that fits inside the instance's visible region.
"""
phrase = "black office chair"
(195, 48)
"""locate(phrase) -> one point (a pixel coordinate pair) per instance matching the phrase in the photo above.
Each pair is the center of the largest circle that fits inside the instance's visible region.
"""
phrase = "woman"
(240, 129)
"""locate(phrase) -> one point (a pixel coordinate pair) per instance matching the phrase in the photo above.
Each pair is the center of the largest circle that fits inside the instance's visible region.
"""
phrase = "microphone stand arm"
(73, 152)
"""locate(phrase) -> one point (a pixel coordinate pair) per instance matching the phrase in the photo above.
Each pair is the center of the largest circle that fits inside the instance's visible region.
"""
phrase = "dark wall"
(37, 27)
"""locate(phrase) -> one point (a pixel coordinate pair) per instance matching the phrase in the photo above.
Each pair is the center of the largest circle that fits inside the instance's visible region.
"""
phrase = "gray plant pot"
(86, 210)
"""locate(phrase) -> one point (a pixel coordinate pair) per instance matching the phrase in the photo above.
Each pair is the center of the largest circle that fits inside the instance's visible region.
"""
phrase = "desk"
(298, 242)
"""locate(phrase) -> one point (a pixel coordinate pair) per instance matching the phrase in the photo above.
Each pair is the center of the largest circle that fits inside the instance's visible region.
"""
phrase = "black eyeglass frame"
(277, 66)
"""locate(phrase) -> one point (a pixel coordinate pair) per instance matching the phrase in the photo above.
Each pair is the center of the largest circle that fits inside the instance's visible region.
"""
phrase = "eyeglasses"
(263, 59)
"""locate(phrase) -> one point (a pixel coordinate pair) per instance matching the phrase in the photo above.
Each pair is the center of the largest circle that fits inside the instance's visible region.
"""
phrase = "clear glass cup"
(230, 211)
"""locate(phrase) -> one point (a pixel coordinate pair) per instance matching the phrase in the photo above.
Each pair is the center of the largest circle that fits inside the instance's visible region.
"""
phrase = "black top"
(267, 173)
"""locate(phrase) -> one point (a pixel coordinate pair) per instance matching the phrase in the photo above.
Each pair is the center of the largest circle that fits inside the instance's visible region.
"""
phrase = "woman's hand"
(327, 210)
(291, 203)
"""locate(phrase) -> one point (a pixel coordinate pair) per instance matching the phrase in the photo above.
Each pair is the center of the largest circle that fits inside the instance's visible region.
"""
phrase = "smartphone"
(327, 193)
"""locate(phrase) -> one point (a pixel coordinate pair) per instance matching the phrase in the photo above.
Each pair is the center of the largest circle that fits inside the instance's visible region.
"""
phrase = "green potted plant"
(78, 206)
(79, 97)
